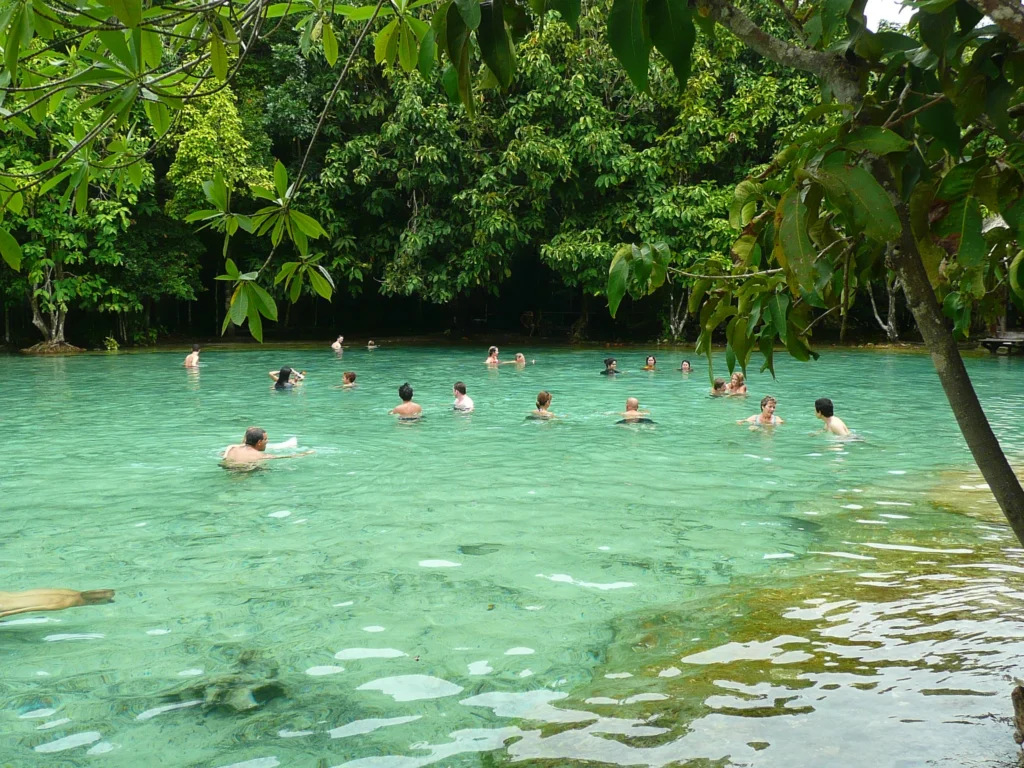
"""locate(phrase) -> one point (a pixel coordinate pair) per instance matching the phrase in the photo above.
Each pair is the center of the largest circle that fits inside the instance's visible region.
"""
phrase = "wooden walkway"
(1009, 343)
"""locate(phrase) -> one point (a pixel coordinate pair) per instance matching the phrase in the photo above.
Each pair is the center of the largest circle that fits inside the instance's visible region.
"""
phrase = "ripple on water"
(412, 687)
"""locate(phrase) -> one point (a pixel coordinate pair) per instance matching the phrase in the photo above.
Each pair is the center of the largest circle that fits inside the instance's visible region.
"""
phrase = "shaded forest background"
(506, 222)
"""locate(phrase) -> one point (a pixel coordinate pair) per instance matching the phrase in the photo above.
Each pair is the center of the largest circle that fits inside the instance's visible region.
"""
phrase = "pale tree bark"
(1007, 14)
(949, 366)
(677, 314)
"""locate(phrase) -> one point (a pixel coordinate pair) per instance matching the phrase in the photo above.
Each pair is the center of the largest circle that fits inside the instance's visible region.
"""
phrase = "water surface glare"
(477, 589)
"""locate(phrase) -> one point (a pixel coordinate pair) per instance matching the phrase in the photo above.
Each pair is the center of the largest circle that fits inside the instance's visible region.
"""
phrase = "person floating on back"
(737, 384)
(650, 364)
(336, 346)
(192, 359)
(253, 449)
(34, 600)
(718, 388)
(633, 414)
(767, 417)
(824, 410)
(543, 404)
(463, 402)
(609, 367)
(407, 410)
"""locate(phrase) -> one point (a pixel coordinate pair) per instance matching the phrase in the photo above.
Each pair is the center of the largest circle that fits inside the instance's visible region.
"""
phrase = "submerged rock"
(253, 683)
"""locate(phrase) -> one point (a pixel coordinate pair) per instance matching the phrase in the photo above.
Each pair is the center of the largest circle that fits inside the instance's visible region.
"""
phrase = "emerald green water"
(561, 593)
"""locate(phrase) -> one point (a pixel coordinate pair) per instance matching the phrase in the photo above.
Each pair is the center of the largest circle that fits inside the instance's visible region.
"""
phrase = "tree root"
(52, 348)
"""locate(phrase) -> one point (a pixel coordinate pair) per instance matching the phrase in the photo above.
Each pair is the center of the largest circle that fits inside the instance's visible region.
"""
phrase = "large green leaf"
(672, 32)
(870, 206)
(797, 250)
(330, 42)
(457, 35)
(218, 58)
(777, 306)
(964, 223)
(569, 10)
(495, 46)
(10, 250)
(618, 277)
(385, 47)
(408, 48)
(875, 139)
(629, 40)
(470, 12)
(1016, 274)
(129, 12)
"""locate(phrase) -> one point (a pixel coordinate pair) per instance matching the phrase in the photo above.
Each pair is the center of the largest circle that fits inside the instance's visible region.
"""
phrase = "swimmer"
(767, 417)
(371, 344)
(463, 402)
(286, 378)
(336, 346)
(718, 388)
(609, 367)
(685, 366)
(192, 359)
(651, 364)
(519, 362)
(824, 410)
(348, 379)
(633, 414)
(737, 384)
(543, 404)
(34, 600)
(407, 410)
(253, 448)
(492, 356)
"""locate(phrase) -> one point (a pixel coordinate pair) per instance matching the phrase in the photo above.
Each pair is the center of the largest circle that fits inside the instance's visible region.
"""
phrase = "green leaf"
(469, 10)
(871, 208)
(218, 58)
(16, 203)
(159, 116)
(307, 224)
(569, 10)
(766, 343)
(965, 221)
(280, 179)
(629, 40)
(135, 174)
(255, 323)
(263, 301)
(643, 264)
(1016, 274)
(833, 14)
(778, 305)
(875, 139)
(385, 47)
(10, 250)
(458, 46)
(407, 48)
(796, 251)
(128, 11)
(428, 53)
(330, 43)
(700, 288)
(618, 276)
(495, 47)
(319, 283)
(118, 46)
(672, 32)
(152, 49)
(940, 122)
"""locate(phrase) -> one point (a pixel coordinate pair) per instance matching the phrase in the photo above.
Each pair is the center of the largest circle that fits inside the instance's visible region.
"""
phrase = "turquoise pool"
(478, 589)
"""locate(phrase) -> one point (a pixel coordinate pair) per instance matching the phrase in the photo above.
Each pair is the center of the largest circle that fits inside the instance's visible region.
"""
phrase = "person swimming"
(543, 404)
(371, 344)
(463, 402)
(610, 369)
(737, 384)
(767, 417)
(718, 388)
(192, 359)
(348, 379)
(253, 449)
(336, 345)
(33, 600)
(685, 366)
(286, 378)
(519, 362)
(407, 410)
(824, 410)
(633, 414)
(492, 356)
(651, 363)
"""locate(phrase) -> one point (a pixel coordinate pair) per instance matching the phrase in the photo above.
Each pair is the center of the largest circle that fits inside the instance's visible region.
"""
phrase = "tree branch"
(1007, 14)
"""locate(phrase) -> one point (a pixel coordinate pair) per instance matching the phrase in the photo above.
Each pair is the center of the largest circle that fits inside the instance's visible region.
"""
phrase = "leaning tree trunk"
(949, 366)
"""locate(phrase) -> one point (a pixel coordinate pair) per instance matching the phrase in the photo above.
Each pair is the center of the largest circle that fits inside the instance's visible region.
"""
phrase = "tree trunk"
(949, 366)
(37, 317)
(677, 314)
(58, 327)
(7, 322)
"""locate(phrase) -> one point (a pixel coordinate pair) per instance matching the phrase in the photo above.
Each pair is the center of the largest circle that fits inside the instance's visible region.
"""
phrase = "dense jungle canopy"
(435, 220)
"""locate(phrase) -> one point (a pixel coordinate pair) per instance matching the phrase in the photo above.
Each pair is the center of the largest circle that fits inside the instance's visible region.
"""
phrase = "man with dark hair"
(253, 449)
(824, 410)
(463, 402)
(192, 360)
(609, 367)
(407, 409)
